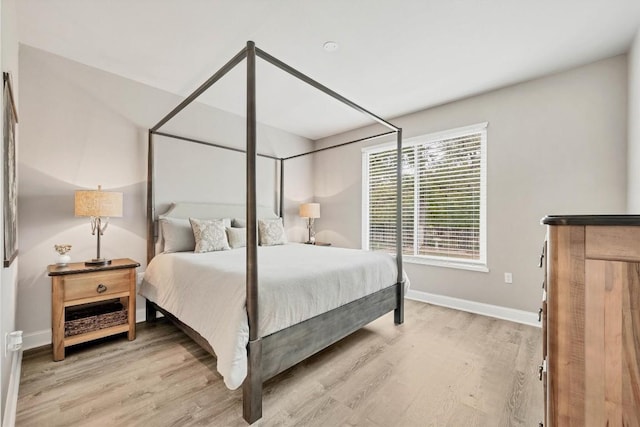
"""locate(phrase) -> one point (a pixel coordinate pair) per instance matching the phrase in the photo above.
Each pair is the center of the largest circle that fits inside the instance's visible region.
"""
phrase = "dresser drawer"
(103, 283)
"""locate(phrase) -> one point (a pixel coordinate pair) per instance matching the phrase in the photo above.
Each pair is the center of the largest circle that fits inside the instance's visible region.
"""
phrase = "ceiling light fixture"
(330, 46)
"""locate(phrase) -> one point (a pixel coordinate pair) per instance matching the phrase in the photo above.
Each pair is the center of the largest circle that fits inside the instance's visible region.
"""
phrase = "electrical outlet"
(508, 278)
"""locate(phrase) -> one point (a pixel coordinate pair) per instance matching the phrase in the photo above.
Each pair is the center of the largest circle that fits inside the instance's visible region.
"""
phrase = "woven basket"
(95, 317)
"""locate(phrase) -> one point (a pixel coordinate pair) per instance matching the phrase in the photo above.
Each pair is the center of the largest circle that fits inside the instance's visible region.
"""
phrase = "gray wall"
(633, 193)
(556, 145)
(81, 127)
(8, 276)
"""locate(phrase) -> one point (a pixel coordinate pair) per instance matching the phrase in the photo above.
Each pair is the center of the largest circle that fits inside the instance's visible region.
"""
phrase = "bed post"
(281, 201)
(151, 235)
(398, 313)
(150, 308)
(252, 386)
(151, 312)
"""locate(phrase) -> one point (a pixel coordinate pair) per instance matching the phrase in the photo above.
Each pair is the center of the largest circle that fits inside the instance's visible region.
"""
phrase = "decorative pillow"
(209, 234)
(238, 223)
(271, 232)
(237, 237)
(178, 234)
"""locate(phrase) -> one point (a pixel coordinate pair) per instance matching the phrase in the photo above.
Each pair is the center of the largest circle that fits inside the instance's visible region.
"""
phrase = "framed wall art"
(9, 173)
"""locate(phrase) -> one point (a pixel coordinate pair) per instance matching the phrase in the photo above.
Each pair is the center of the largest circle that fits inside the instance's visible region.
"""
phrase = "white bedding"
(296, 282)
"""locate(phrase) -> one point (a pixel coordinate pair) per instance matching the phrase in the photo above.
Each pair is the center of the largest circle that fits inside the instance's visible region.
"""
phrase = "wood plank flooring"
(441, 368)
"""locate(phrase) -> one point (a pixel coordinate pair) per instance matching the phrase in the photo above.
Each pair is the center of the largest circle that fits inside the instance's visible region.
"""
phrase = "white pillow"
(178, 234)
(210, 235)
(271, 232)
(237, 237)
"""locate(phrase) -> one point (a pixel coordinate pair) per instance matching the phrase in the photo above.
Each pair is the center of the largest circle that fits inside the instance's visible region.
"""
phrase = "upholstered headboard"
(214, 210)
(184, 211)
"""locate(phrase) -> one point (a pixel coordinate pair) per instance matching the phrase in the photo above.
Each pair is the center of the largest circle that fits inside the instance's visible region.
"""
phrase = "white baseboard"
(505, 313)
(11, 403)
(36, 339)
(42, 338)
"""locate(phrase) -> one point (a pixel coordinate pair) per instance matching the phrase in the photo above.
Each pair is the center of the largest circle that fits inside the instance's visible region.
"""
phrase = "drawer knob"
(540, 371)
(101, 288)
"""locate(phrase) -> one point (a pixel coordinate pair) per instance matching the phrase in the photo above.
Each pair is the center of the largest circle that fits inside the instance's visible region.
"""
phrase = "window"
(443, 198)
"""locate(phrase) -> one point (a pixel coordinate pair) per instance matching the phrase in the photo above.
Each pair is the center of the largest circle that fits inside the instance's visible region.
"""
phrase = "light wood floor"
(441, 368)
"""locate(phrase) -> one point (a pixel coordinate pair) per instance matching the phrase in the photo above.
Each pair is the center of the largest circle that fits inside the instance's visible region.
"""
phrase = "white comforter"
(295, 282)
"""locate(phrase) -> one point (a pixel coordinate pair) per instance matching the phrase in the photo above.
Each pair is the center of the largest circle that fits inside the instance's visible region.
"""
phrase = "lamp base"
(98, 261)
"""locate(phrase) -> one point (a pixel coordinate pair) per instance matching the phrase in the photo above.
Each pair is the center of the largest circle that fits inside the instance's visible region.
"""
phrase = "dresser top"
(591, 220)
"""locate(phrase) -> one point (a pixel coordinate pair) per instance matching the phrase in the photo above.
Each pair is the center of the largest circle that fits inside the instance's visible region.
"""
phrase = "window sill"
(446, 263)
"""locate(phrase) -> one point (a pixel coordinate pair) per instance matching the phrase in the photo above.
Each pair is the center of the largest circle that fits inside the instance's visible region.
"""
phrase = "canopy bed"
(267, 347)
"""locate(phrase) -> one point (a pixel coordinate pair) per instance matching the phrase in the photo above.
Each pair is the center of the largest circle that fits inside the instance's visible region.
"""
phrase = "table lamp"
(99, 206)
(310, 211)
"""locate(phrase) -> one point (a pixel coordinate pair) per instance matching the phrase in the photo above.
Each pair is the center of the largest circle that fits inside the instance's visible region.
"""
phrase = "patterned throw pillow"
(271, 232)
(177, 233)
(210, 235)
(237, 237)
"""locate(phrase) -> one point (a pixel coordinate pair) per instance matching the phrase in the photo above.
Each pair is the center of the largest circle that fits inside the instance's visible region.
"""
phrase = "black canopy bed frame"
(272, 354)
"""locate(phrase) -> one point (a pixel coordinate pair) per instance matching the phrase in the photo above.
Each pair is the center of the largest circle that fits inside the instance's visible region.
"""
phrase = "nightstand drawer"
(87, 285)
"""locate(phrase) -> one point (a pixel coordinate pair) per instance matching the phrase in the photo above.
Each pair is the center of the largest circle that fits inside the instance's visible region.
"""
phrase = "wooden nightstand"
(84, 289)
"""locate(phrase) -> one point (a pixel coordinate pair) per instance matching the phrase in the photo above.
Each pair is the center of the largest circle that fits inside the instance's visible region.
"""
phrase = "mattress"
(295, 282)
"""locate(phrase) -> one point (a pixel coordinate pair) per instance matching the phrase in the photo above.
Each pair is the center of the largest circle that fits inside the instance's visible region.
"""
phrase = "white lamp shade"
(98, 203)
(310, 210)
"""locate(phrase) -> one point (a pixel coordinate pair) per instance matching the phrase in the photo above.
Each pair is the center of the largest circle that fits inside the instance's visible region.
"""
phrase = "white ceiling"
(395, 56)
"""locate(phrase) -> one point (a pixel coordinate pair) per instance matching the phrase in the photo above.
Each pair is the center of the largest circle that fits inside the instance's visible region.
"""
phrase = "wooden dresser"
(591, 321)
